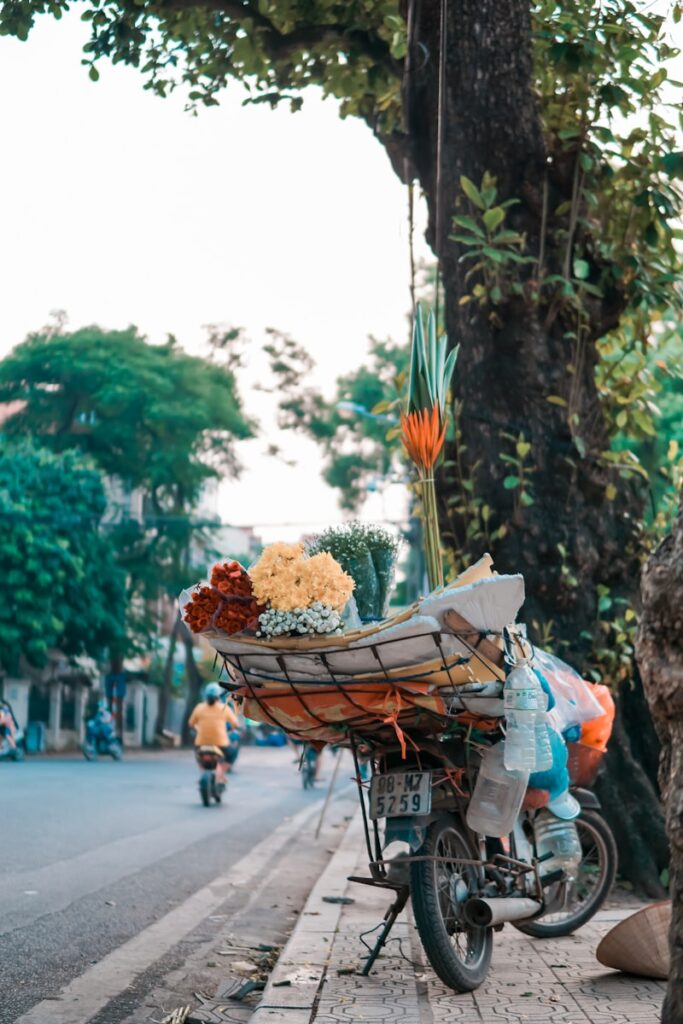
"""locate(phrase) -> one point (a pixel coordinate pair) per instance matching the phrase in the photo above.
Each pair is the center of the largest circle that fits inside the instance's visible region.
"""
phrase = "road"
(94, 855)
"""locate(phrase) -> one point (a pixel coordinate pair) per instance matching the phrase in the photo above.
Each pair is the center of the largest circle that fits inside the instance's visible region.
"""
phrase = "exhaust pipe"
(486, 913)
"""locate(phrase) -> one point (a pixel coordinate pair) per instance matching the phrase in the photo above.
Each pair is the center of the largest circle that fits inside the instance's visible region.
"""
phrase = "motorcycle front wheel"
(577, 901)
(205, 788)
(459, 952)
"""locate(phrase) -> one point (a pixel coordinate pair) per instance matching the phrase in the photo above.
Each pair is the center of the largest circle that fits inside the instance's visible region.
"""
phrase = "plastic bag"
(596, 732)
(575, 699)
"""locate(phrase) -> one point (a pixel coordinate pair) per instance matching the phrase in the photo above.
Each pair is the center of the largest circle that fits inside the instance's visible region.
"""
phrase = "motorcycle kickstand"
(392, 913)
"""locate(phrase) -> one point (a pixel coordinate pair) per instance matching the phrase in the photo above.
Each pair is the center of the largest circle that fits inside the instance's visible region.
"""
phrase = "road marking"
(87, 994)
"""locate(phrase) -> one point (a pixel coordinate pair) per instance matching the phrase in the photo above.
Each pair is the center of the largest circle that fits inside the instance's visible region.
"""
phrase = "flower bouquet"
(284, 593)
(423, 427)
(368, 553)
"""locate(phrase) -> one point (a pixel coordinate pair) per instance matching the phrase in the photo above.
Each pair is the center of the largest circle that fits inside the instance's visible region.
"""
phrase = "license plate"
(400, 794)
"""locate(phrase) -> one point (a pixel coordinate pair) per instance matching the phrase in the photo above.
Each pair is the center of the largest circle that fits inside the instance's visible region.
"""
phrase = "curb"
(291, 992)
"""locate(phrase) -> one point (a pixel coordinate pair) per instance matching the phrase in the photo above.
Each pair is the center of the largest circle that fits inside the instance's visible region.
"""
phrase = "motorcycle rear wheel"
(596, 877)
(459, 952)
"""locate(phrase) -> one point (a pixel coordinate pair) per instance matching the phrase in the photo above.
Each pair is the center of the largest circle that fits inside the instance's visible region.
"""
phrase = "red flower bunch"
(227, 604)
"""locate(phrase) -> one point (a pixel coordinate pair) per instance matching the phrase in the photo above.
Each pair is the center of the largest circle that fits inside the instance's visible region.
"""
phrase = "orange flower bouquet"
(423, 426)
(227, 602)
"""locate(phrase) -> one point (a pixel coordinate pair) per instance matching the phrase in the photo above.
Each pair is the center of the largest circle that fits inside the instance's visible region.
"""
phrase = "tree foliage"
(354, 427)
(62, 586)
(153, 419)
(149, 415)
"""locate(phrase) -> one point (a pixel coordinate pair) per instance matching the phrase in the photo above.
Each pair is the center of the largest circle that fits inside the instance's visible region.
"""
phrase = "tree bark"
(165, 690)
(193, 677)
(515, 354)
(660, 655)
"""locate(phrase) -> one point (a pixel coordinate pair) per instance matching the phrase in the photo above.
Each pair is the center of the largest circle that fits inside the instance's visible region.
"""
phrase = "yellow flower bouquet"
(302, 594)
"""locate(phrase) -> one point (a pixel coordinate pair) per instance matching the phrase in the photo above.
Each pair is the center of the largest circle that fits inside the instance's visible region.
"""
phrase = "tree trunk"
(660, 655)
(165, 690)
(193, 677)
(516, 350)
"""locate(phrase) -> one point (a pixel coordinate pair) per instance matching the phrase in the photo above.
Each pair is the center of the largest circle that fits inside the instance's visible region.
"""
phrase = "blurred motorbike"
(210, 788)
(12, 746)
(100, 736)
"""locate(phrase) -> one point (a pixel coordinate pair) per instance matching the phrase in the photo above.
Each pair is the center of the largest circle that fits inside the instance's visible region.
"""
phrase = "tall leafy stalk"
(423, 426)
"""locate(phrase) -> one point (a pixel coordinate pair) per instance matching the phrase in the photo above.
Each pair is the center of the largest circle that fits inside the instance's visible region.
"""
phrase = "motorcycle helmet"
(213, 690)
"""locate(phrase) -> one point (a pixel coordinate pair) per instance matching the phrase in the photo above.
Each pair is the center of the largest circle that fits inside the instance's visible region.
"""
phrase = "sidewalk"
(557, 981)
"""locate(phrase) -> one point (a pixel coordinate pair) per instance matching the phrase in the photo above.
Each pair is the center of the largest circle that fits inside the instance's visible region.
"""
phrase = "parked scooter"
(233, 750)
(12, 744)
(210, 788)
(100, 736)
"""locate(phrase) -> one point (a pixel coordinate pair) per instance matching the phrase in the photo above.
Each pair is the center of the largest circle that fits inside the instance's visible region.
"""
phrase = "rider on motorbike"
(210, 721)
(101, 724)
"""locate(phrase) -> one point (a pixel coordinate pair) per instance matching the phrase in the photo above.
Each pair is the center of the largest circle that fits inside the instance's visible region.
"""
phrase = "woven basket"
(583, 763)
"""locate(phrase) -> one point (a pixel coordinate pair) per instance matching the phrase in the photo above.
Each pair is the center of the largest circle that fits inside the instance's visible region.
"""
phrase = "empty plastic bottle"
(561, 838)
(527, 744)
(498, 795)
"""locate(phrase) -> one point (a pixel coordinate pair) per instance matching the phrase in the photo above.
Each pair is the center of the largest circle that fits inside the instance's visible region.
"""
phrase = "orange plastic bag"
(597, 731)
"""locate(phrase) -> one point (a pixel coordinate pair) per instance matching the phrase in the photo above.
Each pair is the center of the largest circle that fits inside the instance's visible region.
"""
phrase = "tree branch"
(281, 45)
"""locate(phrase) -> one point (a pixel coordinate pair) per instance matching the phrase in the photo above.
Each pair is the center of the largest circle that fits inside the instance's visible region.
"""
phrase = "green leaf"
(472, 192)
(510, 482)
(556, 400)
(493, 217)
(672, 163)
(469, 223)
(94, 73)
(581, 269)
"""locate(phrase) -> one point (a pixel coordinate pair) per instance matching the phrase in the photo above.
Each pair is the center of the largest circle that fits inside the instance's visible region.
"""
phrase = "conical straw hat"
(640, 943)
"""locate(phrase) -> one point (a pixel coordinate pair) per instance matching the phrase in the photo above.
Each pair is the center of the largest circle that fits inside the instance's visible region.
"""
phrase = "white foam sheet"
(488, 605)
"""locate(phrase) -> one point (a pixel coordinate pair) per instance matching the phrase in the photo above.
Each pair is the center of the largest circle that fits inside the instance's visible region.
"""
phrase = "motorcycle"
(208, 759)
(464, 886)
(12, 742)
(235, 737)
(309, 766)
(101, 738)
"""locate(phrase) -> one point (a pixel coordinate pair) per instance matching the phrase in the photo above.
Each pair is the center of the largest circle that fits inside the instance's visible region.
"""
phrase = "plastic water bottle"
(527, 744)
(497, 796)
(561, 838)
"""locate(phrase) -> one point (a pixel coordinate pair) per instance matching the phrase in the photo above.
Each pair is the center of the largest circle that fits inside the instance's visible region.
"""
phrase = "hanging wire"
(411, 243)
(407, 162)
(441, 96)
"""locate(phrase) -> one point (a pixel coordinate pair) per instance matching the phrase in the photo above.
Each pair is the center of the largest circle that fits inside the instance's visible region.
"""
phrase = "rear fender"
(587, 799)
(410, 830)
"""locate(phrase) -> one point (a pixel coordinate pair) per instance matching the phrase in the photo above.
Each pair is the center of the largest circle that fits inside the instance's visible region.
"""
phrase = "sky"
(121, 208)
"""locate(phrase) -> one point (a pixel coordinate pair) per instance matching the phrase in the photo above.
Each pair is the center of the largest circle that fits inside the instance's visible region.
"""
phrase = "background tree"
(540, 138)
(154, 419)
(62, 587)
(351, 427)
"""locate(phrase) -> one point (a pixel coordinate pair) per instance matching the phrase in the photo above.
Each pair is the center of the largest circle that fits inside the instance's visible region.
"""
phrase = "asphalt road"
(95, 854)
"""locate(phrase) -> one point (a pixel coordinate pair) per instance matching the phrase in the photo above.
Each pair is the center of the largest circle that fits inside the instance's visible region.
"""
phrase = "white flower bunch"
(319, 618)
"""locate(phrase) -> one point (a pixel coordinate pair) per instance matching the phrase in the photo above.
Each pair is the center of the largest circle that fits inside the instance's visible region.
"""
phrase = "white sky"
(120, 208)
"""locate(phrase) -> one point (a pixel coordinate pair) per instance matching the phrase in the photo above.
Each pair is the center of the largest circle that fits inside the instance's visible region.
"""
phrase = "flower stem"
(432, 536)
